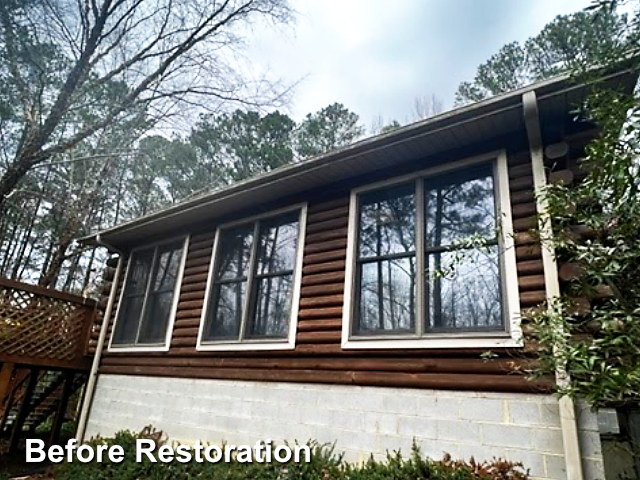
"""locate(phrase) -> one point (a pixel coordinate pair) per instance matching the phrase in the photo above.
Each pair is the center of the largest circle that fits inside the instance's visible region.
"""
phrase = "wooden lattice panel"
(34, 324)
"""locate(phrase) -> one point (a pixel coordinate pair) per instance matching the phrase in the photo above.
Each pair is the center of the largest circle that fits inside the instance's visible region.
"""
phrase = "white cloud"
(376, 56)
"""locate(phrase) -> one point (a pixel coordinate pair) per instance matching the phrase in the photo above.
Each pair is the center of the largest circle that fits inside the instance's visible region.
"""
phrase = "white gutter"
(93, 374)
(568, 422)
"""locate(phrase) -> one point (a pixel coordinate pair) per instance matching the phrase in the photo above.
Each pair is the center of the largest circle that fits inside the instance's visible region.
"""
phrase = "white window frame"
(151, 347)
(511, 336)
(288, 343)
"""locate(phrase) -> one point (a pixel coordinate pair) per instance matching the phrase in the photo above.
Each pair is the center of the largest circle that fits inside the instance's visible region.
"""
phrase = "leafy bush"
(325, 465)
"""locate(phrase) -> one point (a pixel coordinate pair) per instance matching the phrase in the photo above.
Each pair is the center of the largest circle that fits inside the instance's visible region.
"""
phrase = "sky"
(377, 56)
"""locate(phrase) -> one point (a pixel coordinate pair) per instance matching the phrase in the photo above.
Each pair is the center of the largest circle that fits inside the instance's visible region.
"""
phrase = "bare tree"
(75, 67)
(426, 106)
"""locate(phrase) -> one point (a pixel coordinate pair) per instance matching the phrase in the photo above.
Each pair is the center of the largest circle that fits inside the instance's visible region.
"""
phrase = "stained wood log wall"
(318, 356)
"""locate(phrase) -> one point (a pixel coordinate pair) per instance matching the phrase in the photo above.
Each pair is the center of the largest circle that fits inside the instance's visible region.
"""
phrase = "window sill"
(436, 341)
(244, 346)
(138, 348)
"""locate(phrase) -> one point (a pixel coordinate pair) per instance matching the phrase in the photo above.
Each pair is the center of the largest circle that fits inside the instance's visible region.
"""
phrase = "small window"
(252, 297)
(429, 260)
(147, 305)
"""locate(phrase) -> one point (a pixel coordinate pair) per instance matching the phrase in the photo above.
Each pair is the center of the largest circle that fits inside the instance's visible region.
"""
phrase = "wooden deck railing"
(40, 326)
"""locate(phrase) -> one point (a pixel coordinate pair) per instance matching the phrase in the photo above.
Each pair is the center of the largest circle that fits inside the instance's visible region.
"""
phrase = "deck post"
(23, 412)
(54, 437)
(6, 373)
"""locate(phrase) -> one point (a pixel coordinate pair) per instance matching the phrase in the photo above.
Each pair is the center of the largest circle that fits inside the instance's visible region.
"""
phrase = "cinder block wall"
(362, 420)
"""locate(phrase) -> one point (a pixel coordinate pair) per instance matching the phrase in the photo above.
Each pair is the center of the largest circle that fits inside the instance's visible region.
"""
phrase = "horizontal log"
(318, 268)
(323, 301)
(328, 205)
(326, 235)
(205, 244)
(522, 170)
(325, 336)
(528, 252)
(193, 287)
(523, 210)
(186, 296)
(324, 289)
(561, 177)
(195, 313)
(556, 150)
(336, 223)
(315, 325)
(570, 271)
(325, 246)
(580, 232)
(196, 262)
(328, 312)
(603, 291)
(195, 270)
(201, 237)
(322, 278)
(528, 299)
(198, 278)
(530, 267)
(521, 183)
(328, 214)
(579, 306)
(325, 257)
(185, 332)
(330, 350)
(522, 196)
(452, 365)
(531, 282)
(525, 238)
(526, 223)
(190, 305)
(184, 341)
(507, 383)
(518, 158)
(186, 323)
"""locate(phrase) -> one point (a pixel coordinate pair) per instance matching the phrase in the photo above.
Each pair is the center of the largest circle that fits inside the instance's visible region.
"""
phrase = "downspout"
(568, 422)
(93, 374)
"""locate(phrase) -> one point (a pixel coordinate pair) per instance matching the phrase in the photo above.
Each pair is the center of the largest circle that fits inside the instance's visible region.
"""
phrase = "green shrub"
(325, 465)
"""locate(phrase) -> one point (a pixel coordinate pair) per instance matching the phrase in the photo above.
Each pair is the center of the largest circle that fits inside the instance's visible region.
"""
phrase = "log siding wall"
(318, 356)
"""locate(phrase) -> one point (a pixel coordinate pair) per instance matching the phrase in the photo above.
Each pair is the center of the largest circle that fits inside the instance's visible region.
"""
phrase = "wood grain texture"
(318, 356)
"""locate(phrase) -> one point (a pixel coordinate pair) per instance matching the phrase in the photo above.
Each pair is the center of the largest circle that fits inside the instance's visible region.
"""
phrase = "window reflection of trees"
(148, 297)
(386, 263)
(458, 206)
(462, 278)
(270, 281)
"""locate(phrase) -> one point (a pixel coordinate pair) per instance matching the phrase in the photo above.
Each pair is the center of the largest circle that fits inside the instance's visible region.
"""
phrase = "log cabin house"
(354, 297)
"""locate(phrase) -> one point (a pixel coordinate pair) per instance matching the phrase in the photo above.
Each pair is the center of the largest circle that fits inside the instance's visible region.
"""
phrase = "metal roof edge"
(449, 119)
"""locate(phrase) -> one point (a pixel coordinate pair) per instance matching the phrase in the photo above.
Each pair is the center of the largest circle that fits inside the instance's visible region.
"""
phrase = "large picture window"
(253, 284)
(147, 304)
(430, 260)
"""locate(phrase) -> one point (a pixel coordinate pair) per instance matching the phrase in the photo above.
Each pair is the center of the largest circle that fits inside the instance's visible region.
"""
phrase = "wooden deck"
(44, 356)
(44, 327)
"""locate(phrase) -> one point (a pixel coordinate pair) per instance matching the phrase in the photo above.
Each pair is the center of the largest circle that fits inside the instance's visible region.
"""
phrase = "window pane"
(168, 264)
(273, 307)
(387, 222)
(156, 319)
(225, 314)
(387, 296)
(460, 205)
(278, 241)
(133, 298)
(234, 247)
(128, 320)
(468, 294)
(158, 309)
